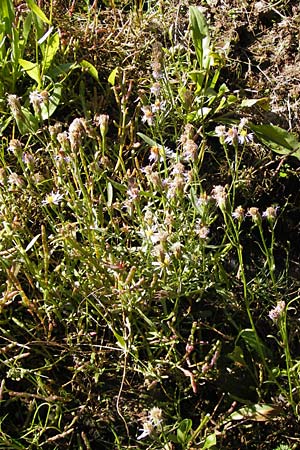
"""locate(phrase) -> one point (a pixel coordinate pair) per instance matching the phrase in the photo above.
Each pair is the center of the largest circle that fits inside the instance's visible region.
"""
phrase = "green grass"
(143, 302)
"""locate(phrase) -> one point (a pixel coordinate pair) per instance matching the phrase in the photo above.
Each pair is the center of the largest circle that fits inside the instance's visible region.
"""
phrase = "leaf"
(37, 10)
(45, 36)
(183, 430)
(210, 441)
(50, 51)
(200, 36)
(258, 413)
(32, 69)
(263, 102)
(252, 341)
(32, 242)
(238, 356)
(91, 69)
(148, 140)
(277, 139)
(27, 26)
(53, 102)
(109, 194)
(112, 77)
(7, 14)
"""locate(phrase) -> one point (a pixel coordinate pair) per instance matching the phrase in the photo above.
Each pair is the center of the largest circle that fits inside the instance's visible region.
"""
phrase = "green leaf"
(258, 413)
(263, 102)
(183, 430)
(277, 139)
(238, 356)
(45, 36)
(210, 441)
(112, 77)
(91, 69)
(148, 140)
(37, 10)
(32, 69)
(53, 102)
(50, 50)
(252, 341)
(201, 38)
(7, 14)
(27, 26)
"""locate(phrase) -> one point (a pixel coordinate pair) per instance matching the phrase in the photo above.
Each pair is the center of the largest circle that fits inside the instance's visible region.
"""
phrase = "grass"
(147, 299)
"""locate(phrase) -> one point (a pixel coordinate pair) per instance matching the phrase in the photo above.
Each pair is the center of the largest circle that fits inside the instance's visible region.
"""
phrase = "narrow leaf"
(37, 10)
(32, 242)
(109, 194)
(51, 50)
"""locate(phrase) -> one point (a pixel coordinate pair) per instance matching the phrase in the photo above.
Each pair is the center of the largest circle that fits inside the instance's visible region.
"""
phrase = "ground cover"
(149, 254)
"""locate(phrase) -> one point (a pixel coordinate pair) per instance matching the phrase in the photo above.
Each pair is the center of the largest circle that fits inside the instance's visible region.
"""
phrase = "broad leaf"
(200, 36)
(277, 139)
(32, 69)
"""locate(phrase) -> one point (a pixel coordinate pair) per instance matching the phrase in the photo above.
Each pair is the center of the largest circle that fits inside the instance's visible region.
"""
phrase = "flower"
(270, 213)
(155, 88)
(190, 150)
(254, 213)
(155, 415)
(277, 312)
(148, 115)
(37, 99)
(201, 230)
(15, 146)
(232, 136)
(54, 198)
(238, 213)
(219, 195)
(147, 429)
(155, 153)
(158, 106)
(244, 137)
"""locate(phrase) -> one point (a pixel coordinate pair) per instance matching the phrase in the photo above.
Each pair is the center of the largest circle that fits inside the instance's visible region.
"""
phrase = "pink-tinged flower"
(232, 136)
(254, 213)
(270, 213)
(219, 195)
(276, 313)
(155, 88)
(239, 213)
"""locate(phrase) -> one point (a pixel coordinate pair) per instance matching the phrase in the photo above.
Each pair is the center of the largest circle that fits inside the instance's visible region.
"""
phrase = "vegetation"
(150, 205)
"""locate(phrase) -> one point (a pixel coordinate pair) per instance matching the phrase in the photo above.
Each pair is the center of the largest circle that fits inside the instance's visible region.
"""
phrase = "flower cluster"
(235, 135)
(153, 421)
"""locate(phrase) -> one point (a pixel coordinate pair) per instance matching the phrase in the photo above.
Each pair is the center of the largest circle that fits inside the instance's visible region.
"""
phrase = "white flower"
(155, 415)
(148, 115)
(158, 106)
(147, 429)
(219, 195)
(54, 198)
